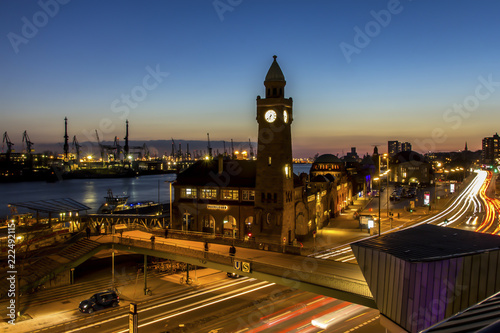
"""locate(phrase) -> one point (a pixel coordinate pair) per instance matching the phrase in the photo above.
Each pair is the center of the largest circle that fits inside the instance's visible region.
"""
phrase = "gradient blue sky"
(401, 86)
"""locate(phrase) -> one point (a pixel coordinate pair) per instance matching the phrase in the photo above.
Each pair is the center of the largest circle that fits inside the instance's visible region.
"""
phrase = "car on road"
(98, 301)
(395, 196)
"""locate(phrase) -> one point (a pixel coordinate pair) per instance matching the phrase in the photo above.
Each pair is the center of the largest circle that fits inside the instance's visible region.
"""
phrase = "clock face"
(285, 116)
(270, 116)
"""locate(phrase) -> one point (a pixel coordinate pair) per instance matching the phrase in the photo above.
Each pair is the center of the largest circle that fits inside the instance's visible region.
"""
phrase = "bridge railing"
(312, 275)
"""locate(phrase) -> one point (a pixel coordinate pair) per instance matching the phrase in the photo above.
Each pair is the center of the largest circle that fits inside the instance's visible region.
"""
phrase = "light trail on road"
(468, 200)
(188, 296)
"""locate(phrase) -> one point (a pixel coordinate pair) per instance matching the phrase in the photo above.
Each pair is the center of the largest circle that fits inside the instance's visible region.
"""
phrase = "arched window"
(187, 221)
(248, 226)
(230, 226)
(208, 223)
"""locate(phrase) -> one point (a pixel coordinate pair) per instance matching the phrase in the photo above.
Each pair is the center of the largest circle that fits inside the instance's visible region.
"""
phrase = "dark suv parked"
(99, 301)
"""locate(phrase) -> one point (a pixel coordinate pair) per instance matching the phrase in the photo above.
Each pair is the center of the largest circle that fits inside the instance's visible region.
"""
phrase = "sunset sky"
(360, 72)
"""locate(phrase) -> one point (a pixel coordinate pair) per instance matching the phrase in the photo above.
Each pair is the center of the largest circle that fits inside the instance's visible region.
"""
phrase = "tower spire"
(275, 81)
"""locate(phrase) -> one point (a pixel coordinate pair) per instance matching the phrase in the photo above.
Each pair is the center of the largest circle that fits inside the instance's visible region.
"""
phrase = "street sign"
(242, 266)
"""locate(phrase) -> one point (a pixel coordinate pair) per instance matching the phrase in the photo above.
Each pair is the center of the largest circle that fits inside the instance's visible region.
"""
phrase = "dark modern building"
(491, 149)
(405, 146)
(393, 147)
(422, 275)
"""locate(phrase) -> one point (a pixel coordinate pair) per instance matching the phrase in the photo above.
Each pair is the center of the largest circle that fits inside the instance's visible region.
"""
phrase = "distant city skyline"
(361, 73)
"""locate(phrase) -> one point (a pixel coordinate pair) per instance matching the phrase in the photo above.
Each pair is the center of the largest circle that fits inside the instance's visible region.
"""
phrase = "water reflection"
(90, 192)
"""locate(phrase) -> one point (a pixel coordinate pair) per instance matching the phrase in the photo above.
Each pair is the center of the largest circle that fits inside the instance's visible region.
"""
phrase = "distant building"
(410, 167)
(491, 149)
(405, 146)
(393, 147)
(352, 155)
(329, 169)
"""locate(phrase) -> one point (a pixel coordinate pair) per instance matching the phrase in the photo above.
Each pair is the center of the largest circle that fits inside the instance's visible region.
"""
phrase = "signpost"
(133, 322)
(427, 198)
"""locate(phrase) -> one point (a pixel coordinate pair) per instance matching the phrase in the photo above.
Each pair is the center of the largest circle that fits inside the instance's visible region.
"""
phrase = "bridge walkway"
(334, 279)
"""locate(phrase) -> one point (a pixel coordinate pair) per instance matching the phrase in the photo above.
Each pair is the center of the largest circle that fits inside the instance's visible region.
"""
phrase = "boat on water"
(118, 204)
(113, 203)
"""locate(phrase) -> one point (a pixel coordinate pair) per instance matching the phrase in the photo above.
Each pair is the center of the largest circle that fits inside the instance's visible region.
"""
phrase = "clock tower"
(274, 196)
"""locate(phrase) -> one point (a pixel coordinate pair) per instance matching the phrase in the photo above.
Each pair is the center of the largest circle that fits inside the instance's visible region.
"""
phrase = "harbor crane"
(77, 147)
(173, 149)
(209, 148)
(118, 148)
(188, 154)
(66, 137)
(29, 150)
(6, 140)
(103, 147)
(251, 149)
(27, 141)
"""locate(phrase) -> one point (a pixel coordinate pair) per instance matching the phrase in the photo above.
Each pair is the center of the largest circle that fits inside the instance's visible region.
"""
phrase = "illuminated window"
(208, 193)
(248, 195)
(269, 163)
(188, 193)
(230, 195)
(288, 171)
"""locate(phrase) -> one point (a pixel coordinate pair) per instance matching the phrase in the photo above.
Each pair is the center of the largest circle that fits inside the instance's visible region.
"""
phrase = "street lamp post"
(387, 188)
(170, 195)
(379, 181)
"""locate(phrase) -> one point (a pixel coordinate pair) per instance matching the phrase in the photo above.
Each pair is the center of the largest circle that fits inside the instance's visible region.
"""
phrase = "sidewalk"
(340, 230)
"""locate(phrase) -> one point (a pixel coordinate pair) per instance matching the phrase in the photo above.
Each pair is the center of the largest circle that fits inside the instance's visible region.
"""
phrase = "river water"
(91, 192)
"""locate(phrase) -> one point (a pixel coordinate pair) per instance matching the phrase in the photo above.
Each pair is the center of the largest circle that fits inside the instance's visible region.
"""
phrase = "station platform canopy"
(53, 205)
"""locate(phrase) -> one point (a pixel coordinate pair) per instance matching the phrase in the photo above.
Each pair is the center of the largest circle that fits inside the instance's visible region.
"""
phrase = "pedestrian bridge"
(330, 278)
(326, 277)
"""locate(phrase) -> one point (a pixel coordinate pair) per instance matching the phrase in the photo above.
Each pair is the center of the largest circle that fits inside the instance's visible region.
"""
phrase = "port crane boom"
(6, 140)
(29, 144)
(77, 147)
